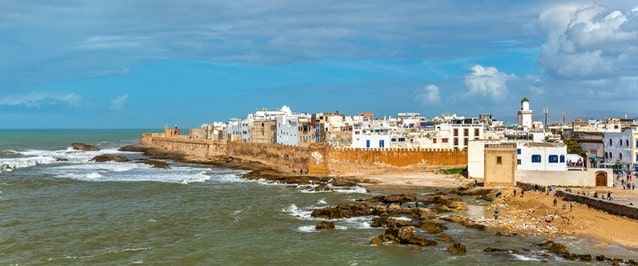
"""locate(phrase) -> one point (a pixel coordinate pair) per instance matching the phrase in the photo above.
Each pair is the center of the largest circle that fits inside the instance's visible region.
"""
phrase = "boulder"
(156, 164)
(84, 147)
(324, 225)
(424, 213)
(445, 238)
(464, 221)
(343, 210)
(421, 241)
(377, 240)
(405, 233)
(62, 159)
(457, 249)
(110, 157)
(432, 227)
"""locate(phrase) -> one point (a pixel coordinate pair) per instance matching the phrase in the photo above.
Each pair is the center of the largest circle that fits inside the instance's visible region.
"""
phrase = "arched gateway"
(601, 179)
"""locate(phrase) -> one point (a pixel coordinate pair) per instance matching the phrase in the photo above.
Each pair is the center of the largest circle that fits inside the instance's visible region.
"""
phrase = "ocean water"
(81, 212)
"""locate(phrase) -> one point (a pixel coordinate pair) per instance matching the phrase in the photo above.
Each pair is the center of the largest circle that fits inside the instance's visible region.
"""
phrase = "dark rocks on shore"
(457, 249)
(62, 159)
(156, 164)
(563, 251)
(404, 235)
(464, 221)
(109, 157)
(432, 227)
(445, 238)
(343, 210)
(324, 225)
(84, 147)
(393, 199)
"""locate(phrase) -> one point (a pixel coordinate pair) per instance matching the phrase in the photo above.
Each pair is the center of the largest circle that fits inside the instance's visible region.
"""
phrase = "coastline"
(532, 214)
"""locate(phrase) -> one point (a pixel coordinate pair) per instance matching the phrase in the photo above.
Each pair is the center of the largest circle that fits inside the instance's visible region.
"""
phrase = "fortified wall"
(315, 159)
(604, 205)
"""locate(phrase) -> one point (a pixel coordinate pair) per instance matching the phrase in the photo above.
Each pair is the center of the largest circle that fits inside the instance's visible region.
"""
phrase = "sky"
(148, 63)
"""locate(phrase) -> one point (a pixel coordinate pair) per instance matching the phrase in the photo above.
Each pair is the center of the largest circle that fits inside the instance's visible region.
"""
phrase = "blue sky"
(146, 63)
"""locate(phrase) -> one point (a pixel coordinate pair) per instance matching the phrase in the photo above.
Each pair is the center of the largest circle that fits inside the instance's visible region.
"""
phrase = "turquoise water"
(82, 212)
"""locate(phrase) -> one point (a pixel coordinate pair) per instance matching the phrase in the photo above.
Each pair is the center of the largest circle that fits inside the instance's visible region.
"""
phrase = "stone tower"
(525, 114)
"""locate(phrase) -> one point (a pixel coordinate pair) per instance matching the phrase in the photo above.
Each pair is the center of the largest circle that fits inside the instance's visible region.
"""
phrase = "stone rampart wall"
(604, 205)
(400, 157)
(315, 159)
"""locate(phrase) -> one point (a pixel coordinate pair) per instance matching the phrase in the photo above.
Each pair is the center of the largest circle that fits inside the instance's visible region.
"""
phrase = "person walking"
(496, 213)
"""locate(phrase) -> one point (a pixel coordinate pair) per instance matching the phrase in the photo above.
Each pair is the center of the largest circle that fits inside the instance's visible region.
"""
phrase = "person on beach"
(496, 213)
(522, 192)
(555, 201)
(514, 193)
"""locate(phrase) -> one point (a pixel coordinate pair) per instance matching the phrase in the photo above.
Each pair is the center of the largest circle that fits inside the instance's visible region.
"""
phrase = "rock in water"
(323, 225)
(109, 157)
(84, 147)
(156, 164)
(457, 248)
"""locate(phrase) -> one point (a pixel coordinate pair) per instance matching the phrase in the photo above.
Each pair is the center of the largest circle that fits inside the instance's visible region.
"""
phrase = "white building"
(239, 130)
(288, 129)
(618, 147)
(539, 156)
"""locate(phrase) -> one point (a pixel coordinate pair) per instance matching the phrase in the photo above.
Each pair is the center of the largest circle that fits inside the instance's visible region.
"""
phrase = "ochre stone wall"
(605, 205)
(315, 159)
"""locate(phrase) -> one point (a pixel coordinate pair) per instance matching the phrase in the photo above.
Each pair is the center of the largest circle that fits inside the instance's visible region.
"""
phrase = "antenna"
(563, 114)
(545, 111)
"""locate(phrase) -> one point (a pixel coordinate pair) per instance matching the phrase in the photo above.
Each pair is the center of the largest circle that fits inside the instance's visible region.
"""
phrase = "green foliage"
(573, 147)
(452, 171)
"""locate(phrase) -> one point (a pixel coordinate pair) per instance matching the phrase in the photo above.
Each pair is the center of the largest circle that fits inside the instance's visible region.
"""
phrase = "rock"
(500, 250)
(324, 225)
(398, 198)
(109, 157)
(556, 248)
(62, 159)
(156, 164)
(425, 213)
(464, 221)
(84, 147)
(385, 220)
(341, 182)
(421, 241)
(445, 238)
(457, 249)
(322, 187)
(377, 240)
(432, 227)
(343, 210)
(405, 233)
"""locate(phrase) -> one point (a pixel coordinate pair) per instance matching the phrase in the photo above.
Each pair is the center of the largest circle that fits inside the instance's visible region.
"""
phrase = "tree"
(573, 147)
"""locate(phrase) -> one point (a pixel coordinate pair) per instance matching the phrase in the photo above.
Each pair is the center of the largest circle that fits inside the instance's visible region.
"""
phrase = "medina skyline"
(143, 64)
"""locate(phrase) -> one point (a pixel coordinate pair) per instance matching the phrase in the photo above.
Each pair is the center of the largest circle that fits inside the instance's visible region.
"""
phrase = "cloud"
(429, 94)
(118, 103)
(40, 99)
(589, 42)
(487, 82)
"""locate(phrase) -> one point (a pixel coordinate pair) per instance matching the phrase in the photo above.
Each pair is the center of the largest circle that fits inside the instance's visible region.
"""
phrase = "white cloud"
(487, 82)
(429, 94)
(589, 42)
(38, 99)
(118, 102)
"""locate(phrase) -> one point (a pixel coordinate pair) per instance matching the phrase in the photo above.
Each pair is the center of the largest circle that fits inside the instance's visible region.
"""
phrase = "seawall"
(315, 159)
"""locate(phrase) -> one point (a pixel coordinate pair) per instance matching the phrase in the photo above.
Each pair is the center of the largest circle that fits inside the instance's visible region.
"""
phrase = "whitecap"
(349, 190)
(322, 202)
(9, 165)
(307, 229)
(293, 210)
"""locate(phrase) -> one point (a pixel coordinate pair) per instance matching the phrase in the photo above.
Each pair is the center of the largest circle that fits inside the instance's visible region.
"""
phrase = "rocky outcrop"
(156, 164)
(84, 147)
(432, 227)
(343, 210)
(464, 221)
(403, 235)
(563, 251)
(457, 249)
(393, 199)
(109, 158)
(325, 225)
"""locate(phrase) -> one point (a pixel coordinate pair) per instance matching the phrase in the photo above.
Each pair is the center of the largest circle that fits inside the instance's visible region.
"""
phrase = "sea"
(57, 207)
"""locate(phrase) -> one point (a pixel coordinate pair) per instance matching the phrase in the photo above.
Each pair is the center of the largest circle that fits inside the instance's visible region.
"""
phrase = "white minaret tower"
(525, 114)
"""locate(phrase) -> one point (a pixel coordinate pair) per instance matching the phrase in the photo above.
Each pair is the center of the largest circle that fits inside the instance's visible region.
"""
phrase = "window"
(499, 160)
(456, 142)
(466, 132)
(518, 161)
(401, 139)
(367, 143)
(381, 144)
(434, 141)
(536, 158)
(620, 142)
(456, 132)
(627, 142)
(609, 142)
(553, 159)
(620, 156)
(562, 158)
(393, 140)
(444, 140)
(476, 133)
(518, 151)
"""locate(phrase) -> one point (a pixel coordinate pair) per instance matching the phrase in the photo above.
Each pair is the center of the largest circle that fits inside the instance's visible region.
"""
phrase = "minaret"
(525, 114)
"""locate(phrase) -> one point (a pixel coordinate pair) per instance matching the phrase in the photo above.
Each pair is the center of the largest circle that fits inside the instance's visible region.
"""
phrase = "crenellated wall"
(315, 159)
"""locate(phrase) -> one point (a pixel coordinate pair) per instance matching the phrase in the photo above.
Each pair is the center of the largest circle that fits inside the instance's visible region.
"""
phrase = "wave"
(9, 165)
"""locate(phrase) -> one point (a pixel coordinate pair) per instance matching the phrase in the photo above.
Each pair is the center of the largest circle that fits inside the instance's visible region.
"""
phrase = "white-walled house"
(371, 137)
(621, 147)
(288, 129)
(541, 156)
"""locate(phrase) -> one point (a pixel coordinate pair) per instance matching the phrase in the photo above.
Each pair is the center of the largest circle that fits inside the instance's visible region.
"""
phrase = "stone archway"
(601, 179)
